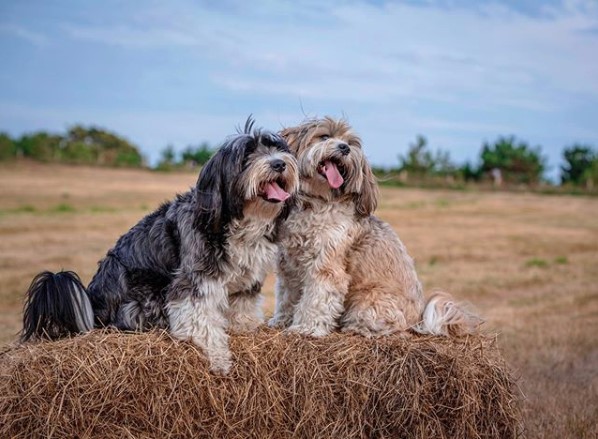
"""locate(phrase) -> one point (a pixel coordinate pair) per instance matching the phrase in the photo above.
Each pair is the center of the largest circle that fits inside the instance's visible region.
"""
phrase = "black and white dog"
(195, 266)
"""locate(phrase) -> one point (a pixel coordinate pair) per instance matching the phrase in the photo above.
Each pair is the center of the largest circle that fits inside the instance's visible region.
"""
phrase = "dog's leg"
(244, 309)
(286, 300)
(196, 311)
(322, 300)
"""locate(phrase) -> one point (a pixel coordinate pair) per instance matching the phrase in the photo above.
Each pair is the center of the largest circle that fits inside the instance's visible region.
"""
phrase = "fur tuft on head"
(248, 127)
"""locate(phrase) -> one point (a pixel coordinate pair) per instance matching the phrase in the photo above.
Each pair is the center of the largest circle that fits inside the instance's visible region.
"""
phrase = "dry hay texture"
(114, 385)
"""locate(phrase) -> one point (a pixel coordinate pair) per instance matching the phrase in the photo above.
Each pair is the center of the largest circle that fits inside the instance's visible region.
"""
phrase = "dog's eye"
(324, 137)
(268, 141)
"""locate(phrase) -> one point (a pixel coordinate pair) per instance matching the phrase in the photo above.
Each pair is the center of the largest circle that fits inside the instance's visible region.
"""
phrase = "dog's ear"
(292, 137)
(219, 199)
(298, 137)
(366, 200)
(289, 205)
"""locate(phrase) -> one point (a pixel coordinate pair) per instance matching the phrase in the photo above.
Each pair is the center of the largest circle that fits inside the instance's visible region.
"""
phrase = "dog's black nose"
(278, 165)
(344, 148)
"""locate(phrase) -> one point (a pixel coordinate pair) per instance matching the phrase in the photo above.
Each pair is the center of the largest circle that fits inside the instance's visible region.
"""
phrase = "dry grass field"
(529, 263)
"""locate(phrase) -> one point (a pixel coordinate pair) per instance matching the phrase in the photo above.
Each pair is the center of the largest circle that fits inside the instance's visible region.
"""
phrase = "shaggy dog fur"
(195, 266)
(340, 265)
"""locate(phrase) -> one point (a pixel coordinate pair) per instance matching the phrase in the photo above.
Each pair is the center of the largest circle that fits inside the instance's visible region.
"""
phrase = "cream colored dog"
(340, 266)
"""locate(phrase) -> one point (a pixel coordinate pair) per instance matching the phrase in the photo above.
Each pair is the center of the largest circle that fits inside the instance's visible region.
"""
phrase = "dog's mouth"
(333, 171)
(274, 191)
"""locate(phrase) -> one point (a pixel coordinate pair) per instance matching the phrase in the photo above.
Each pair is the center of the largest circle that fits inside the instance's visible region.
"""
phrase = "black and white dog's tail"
(56, 306)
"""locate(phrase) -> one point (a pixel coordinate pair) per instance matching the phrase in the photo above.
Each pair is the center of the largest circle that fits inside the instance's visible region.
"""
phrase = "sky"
(180, 72)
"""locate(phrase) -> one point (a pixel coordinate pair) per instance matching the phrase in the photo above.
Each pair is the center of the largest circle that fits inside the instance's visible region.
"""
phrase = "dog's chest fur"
(251, 253)
(318, 231)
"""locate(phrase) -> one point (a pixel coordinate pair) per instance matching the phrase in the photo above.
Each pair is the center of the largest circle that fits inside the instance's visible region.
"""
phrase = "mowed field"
(529, 264)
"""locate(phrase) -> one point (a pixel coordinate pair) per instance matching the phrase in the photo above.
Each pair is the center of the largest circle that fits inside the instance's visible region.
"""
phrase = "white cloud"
(125, 36)
(360, 52)
(34, 38)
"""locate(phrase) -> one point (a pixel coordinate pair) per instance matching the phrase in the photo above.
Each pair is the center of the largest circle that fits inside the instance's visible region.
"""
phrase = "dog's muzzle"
(275, 190)
(344, 148)
(332, 170)
(278, 165)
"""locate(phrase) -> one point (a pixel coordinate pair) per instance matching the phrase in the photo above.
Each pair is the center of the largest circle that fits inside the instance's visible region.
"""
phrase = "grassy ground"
(529, 263)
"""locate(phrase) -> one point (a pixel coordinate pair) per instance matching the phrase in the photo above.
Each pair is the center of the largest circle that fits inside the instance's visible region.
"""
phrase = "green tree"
(196, 156)
(77, 152)
(442, 163)
(7, 147)
(167, 158)
(419, 160)
(517, 161)
(95, 145)
(422, 162)
(578, 161)
(590, 175)
(470, 172)
(39, 146)
(129, 158)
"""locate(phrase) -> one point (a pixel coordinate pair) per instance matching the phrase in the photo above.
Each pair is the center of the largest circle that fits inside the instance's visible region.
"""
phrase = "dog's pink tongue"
(335, 179)
(275, 193)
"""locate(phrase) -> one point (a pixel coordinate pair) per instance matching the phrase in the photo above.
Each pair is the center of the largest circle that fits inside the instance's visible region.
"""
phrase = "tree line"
(191, 157)
(79, 145)
(505, 161)
(96, 146)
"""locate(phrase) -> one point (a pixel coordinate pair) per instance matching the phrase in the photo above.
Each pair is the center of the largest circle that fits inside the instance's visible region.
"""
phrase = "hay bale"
(113, 385)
